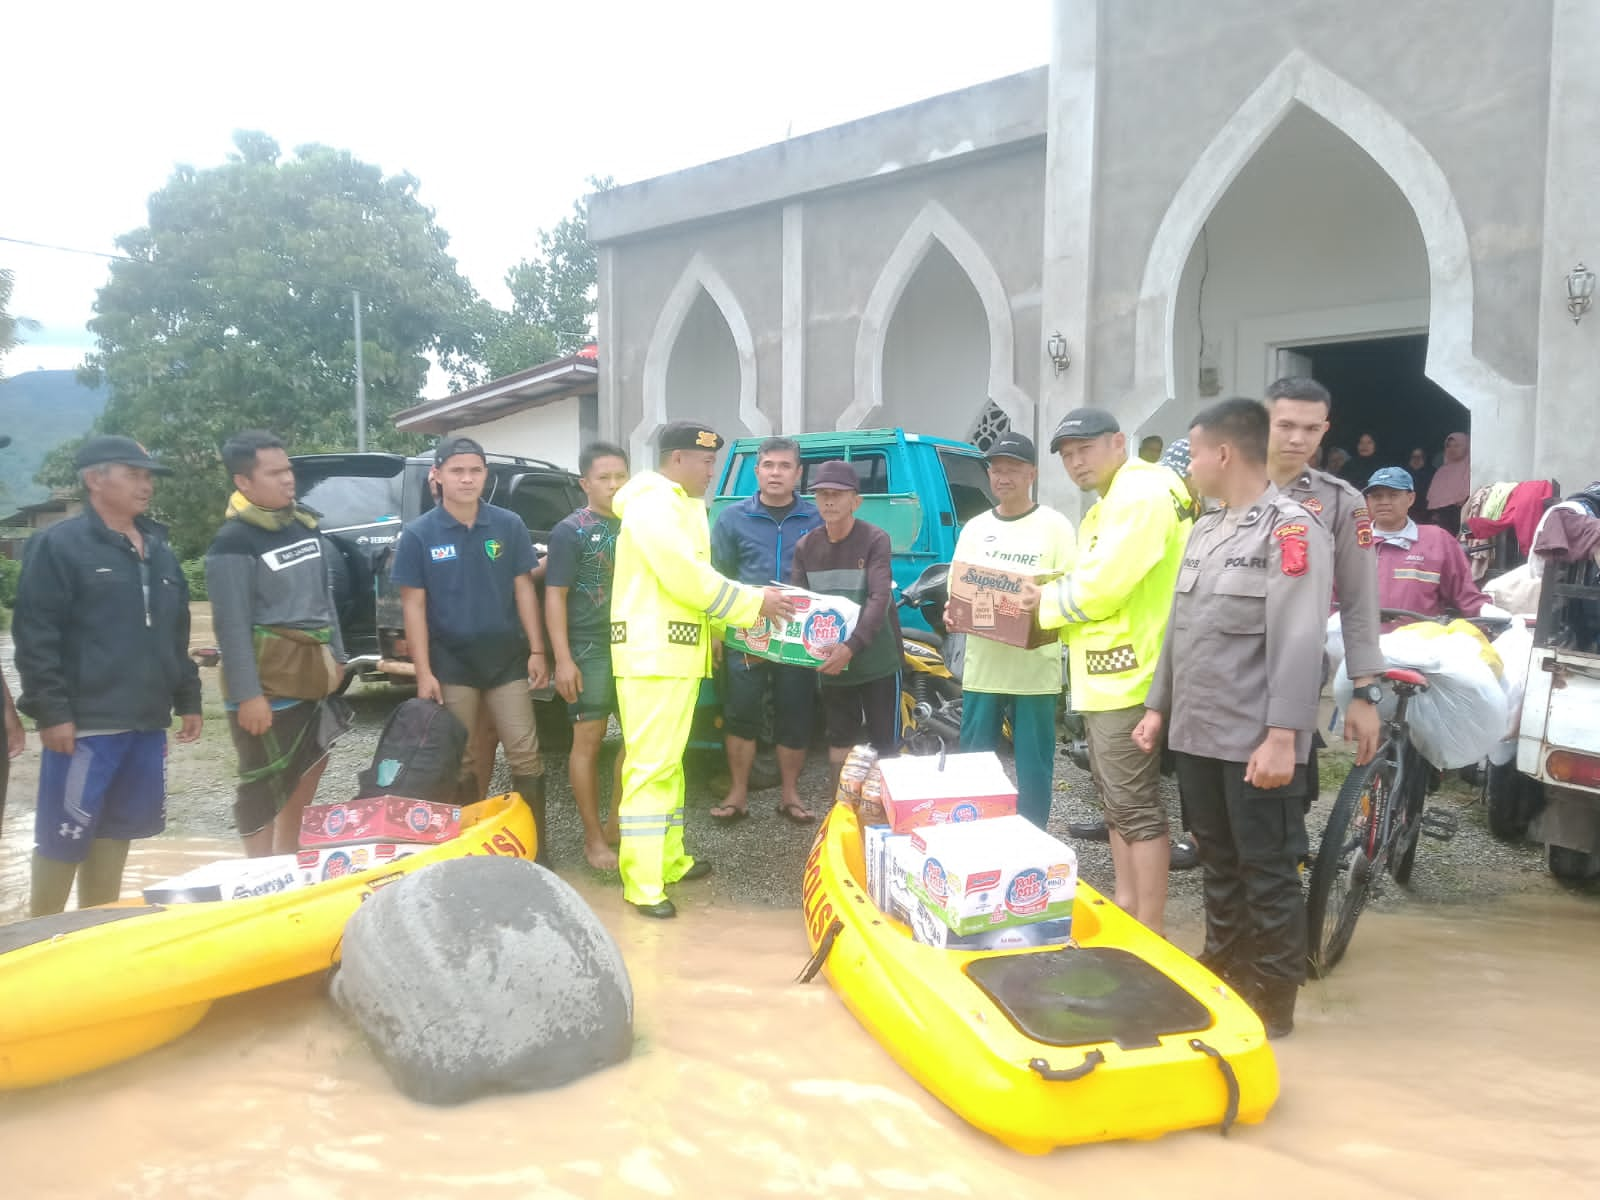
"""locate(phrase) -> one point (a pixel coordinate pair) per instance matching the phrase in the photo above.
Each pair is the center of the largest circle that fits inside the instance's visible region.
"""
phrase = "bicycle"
(1377, 822)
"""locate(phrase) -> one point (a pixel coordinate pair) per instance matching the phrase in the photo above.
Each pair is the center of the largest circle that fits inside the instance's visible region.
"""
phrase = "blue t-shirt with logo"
(475, 637)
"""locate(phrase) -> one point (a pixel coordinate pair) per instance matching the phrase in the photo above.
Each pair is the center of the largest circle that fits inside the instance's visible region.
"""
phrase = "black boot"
(1273, 1000)
(531, 789)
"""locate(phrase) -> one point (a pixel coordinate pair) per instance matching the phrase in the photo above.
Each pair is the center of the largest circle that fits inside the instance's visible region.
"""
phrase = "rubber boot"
(1274, 1000)
(531, 789)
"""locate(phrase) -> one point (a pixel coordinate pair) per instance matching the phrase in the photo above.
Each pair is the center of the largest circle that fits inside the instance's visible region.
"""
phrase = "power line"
(16, 241)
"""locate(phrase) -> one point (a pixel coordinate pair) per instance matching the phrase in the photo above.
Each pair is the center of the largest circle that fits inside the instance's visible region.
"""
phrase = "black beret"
(688, 435)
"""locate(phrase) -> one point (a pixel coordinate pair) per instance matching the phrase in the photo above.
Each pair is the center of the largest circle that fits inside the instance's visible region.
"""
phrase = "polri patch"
(1294, 554)
(1363, 526)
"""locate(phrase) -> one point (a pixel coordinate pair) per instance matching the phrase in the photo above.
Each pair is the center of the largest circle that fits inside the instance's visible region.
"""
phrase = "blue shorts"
(598, 700)
(113, 785)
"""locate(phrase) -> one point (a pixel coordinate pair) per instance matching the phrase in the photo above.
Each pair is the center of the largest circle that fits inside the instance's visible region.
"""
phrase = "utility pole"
(361, 382)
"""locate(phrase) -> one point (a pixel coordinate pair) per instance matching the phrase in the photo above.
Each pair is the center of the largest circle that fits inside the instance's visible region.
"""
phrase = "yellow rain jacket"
(666, 599)
(1112, 607)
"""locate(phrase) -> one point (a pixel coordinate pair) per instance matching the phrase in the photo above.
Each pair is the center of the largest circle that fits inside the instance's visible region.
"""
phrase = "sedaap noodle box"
(985, 601)
(819, 624)
(986, 875)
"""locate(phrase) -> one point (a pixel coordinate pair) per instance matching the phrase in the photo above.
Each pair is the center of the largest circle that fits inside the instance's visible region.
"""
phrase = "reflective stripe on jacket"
(1112, 608)
(666, 599)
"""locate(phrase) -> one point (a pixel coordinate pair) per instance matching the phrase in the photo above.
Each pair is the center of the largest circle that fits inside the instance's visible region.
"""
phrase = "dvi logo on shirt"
(441, 553)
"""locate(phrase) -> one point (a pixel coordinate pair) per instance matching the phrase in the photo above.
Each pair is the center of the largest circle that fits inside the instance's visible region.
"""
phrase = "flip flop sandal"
(730, 814)
(798, 815)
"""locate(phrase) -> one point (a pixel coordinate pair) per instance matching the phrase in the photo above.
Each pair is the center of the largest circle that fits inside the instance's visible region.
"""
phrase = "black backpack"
(419, 754)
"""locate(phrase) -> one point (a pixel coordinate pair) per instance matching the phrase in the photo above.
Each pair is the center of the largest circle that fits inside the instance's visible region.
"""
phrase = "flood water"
(1452, 1054)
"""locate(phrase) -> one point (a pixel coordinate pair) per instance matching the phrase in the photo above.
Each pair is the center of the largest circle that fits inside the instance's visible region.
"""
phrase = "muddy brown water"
(1452, 1054)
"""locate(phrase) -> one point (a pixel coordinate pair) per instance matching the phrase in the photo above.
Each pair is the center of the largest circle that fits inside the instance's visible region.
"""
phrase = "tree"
(10, 327)
(234, 310)
(553, 296)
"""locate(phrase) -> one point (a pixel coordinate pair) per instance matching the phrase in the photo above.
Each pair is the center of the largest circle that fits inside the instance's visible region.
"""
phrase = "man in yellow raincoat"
(666, 604)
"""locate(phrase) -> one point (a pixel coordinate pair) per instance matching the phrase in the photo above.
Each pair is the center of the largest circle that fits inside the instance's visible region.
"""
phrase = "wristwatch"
(1370, 692)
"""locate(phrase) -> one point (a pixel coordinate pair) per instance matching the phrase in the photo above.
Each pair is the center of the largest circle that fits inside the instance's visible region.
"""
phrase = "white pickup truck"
(1555, 791)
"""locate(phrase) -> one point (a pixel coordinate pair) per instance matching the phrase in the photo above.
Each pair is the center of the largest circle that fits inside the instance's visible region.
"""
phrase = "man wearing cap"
(1421, 568)
(998, 680)
(854, 559)
(472, 616)
(667, 603)
(1112, 610)
(101, 629)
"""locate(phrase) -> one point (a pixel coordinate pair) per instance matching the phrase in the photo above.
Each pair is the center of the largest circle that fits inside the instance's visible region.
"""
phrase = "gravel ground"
(758, 860)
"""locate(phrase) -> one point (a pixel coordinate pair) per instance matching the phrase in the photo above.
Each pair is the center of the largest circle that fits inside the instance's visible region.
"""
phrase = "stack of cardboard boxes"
(956, 864)
(335, 839)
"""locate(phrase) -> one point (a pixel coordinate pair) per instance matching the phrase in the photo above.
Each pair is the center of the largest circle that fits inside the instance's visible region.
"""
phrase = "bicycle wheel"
(1415, 783)
(1342, 873)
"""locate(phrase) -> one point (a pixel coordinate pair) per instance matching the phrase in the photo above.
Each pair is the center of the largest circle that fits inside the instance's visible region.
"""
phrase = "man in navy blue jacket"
(753, 541)
(102, 635)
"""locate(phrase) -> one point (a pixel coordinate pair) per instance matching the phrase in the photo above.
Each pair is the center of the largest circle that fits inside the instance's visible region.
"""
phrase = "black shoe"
(1274, 1001)
(700, 870)
(661, 909)
(1088, 831)
(1185, 854)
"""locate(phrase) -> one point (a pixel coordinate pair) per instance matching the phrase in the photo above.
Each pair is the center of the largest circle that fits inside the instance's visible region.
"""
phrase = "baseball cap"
(111, 448)
(1014, 445)
(688, 435)
(1397, 478)
(837, 475)
(1083, 423)
(450, 447)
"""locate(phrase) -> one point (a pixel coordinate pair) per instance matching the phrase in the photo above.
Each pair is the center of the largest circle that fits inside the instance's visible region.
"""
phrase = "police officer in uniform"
(666, 603)
(1299, 409)
(1236, 689)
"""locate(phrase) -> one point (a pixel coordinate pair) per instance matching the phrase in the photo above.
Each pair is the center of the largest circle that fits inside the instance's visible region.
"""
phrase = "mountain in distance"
(40, 410)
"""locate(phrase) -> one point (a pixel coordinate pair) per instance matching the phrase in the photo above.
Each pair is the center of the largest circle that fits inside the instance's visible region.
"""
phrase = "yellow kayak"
(86, 989)
(1116, 1035)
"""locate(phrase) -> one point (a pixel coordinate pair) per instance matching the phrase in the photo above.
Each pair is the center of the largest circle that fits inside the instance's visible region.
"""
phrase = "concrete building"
(1195, 197)
(550, 411)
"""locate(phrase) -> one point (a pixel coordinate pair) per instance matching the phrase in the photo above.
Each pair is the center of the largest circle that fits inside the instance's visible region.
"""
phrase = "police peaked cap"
(689, 435)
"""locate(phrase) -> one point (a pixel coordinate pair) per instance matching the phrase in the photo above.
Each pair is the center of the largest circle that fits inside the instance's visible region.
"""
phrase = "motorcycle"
(930, 692)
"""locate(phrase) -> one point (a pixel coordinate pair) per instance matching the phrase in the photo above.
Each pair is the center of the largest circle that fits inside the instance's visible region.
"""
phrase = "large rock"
(484, 974)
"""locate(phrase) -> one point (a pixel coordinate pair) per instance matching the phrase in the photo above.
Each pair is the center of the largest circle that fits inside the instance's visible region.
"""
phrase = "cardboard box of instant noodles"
(378, 819)
(984, 601)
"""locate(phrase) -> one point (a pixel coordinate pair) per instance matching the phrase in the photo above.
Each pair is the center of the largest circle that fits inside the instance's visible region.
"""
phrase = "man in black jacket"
(102, 643)
(273, 608)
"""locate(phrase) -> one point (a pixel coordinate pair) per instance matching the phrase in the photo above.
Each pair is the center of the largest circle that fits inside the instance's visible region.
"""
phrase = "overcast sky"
(501, 110)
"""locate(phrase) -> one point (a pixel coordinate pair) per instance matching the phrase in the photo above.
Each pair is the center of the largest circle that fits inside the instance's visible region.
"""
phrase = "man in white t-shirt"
(1001, 681)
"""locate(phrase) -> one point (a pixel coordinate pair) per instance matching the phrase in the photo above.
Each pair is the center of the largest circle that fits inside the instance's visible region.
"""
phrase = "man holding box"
(1001, 680)
(853, 559)
(754, 542)
(667, 601)
(1112, 610)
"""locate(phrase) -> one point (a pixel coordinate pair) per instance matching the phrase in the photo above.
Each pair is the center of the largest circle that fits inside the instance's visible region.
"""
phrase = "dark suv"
(364, 498)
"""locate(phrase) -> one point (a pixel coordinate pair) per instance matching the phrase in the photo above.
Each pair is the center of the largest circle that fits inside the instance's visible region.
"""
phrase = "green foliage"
(194, 571)
(10, 326)
(10, 572)
(553, 297)
(236, 312)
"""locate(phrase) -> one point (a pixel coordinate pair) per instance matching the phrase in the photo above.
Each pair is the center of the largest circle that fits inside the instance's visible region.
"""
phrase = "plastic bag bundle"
(871, 804)
(1515, 648)
(1461, 716)
(1333, 648)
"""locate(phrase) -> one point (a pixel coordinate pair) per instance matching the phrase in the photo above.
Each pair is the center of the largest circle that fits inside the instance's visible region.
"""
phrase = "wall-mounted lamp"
(1061, 357)
(1580, 292)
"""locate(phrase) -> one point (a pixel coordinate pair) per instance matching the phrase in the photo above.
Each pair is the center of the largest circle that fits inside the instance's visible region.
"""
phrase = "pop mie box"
(985, 601)
(929, 930)
(942, 789)
(819, 624)
(378, 819)
(988, 874)
(335, 862)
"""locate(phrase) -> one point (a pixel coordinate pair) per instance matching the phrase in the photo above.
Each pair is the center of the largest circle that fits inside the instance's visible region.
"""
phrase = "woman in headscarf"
(1359, 469)
(1452, 484)
(1421, 471)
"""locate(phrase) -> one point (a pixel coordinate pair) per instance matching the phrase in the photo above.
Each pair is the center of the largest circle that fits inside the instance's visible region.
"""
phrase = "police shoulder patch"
(1312, 505)
(1289, 529)
(1363, 520)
